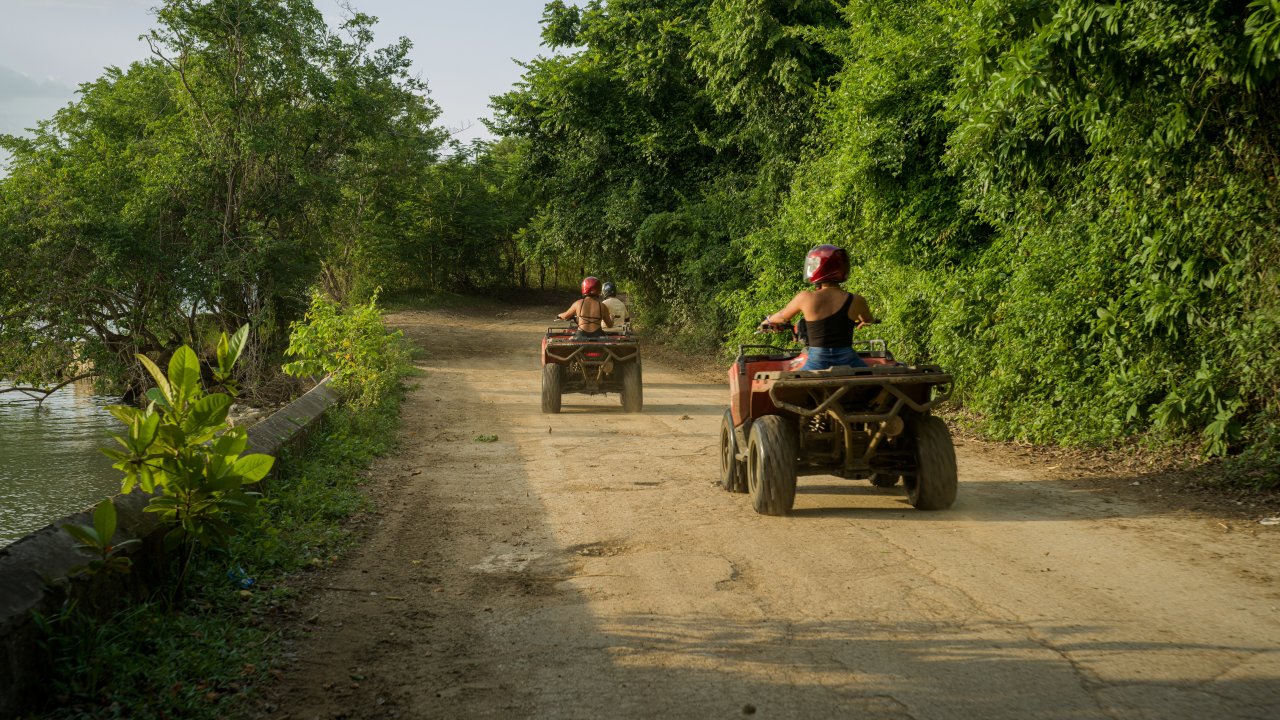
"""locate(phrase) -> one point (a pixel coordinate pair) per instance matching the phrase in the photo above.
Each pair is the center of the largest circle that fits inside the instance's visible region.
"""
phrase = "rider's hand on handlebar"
(766, 326)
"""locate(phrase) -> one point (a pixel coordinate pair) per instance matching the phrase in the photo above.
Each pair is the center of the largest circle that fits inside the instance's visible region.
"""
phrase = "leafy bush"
(351, 345)
(202, 657)
(181, 447)
(95, 541)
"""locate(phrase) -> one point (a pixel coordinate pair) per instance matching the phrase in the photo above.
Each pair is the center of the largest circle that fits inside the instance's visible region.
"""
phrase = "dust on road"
(585, 565)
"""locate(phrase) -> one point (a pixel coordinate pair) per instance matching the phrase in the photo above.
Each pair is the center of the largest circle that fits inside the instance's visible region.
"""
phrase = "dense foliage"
(1069, 203)
(670, 133)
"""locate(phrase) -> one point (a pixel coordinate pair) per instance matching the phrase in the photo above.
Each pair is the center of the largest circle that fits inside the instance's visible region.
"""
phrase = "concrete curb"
(34, 570)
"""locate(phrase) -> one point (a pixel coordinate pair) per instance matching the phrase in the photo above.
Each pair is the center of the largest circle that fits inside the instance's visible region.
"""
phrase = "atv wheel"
(933, 487)
(632, 392)
(552, 387)
(771, 465)
(733, 477)
(883, 480)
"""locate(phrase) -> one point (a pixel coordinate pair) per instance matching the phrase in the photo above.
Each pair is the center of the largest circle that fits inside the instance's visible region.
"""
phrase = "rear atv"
(593, 366)
(871, 423)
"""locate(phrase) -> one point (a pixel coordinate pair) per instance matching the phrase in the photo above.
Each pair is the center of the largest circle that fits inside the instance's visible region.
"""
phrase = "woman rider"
(830, 313)
(590, 311)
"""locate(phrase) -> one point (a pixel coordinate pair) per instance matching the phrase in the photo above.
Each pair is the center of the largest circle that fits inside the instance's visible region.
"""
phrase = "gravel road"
(586, 565)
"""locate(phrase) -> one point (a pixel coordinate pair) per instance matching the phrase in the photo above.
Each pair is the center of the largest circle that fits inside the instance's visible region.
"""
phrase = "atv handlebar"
(766, 326)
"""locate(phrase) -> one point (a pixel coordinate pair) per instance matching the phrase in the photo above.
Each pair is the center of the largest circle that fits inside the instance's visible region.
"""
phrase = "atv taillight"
(594, 354)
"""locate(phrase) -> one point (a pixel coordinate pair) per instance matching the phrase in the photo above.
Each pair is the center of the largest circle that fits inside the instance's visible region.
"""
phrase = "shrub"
(351, 345)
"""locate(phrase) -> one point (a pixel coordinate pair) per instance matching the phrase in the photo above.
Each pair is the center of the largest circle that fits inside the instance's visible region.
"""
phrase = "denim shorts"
(821, 358)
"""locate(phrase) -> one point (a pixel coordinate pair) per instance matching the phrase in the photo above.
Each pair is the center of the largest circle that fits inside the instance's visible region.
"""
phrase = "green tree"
(208, 187)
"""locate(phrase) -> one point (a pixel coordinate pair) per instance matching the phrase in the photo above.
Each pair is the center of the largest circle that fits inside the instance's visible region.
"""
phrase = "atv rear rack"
(836, 383)
(602, 352)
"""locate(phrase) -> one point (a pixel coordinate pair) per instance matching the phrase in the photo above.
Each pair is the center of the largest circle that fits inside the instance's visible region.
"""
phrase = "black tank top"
(833, 331)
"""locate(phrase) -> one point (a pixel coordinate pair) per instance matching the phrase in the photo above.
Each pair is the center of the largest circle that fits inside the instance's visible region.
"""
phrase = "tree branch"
(44, 393)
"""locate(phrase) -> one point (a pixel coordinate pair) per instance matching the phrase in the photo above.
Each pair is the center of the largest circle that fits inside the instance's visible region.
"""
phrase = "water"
(50, 466)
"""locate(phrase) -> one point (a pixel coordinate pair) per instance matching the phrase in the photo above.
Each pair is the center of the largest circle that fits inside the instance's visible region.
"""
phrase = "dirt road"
(585, 565)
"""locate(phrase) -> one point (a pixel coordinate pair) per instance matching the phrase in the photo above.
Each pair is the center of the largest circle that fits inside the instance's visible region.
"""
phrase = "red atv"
(868, 423)
(610, 363)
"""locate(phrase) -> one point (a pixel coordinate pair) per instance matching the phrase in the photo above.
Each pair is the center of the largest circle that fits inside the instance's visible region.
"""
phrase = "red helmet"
(591, 286)
(826, 263)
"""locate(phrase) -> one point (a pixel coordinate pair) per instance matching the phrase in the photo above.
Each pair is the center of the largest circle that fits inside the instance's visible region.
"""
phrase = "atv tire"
(632, 390)
(733, 476)
(933, 487)
(552, 387)
(771, 465)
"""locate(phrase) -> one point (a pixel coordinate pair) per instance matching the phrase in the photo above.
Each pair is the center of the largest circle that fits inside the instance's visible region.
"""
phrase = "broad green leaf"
(147, 479)
(229, 350)
(124, 413)
(173, 436)
(232, 443)
(184, 373)
(211, 410)
(104, 520)
(146, 429)
(225, 483)
(86, 535)
(164, 502)
(161, 381)
(253, 467)
(157, 396)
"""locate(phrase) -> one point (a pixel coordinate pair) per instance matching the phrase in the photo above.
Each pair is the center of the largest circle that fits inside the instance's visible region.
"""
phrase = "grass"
(206, 656)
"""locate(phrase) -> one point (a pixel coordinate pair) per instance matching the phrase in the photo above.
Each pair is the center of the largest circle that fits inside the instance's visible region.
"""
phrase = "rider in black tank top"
(833, 331)
(830, 338)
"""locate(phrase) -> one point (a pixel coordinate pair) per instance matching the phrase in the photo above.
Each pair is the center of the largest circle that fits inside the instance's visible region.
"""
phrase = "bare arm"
(571, 312)
(606, 317)
(792, 309)
(860, 311)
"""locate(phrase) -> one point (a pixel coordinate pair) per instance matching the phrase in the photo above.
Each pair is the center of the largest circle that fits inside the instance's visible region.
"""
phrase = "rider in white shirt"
(617, 308)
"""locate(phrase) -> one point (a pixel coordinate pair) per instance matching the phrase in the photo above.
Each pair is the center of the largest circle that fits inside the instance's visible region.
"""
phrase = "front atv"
(871, 423)
(610, 363)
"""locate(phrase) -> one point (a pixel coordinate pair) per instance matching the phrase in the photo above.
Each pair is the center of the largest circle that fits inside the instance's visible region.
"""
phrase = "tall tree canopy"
(258, 152)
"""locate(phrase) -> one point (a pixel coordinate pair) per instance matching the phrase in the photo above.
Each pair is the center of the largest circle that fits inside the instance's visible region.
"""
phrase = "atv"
(867, 423)
(596, 365)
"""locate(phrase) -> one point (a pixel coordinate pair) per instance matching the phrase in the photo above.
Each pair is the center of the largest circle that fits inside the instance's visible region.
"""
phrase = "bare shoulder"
(858, 308)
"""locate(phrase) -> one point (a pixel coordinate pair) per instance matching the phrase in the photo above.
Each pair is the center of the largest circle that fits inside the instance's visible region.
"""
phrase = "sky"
(464, 49)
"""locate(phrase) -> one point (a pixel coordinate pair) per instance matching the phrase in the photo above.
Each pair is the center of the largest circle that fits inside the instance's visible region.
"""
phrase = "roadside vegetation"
(1069, 204)
(204, 638)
